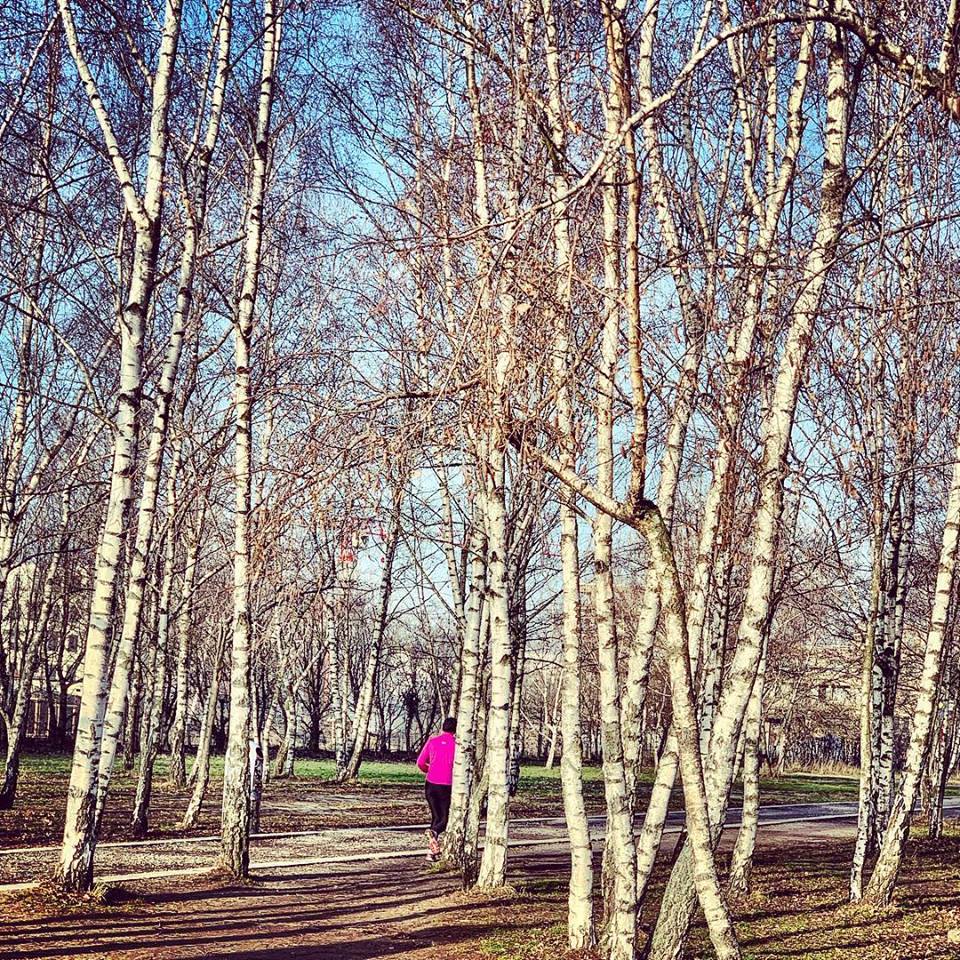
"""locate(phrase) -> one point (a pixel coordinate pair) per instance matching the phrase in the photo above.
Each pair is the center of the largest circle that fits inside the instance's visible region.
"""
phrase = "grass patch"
(536, 781)
(546, 941)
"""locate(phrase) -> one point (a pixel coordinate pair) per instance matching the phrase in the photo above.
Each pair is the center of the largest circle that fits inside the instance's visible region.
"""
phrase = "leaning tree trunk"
(701, 838)
(235, 823)
(200, 773)
(178, 730)
(679, 900)
(365, 702)
(151, 745)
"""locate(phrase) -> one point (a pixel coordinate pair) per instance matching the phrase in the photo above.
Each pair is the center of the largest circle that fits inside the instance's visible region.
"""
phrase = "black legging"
(438, 797)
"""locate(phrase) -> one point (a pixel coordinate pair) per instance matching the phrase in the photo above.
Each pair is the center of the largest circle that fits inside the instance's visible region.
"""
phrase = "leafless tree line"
(586, 372)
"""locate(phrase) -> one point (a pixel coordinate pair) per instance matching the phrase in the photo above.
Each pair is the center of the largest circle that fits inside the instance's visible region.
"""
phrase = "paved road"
(117, 861)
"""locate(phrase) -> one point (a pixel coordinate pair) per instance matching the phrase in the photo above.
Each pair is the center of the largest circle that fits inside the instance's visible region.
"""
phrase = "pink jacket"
(436, 758)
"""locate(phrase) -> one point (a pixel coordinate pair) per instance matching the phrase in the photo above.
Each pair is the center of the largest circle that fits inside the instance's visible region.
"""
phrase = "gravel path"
(345, 844)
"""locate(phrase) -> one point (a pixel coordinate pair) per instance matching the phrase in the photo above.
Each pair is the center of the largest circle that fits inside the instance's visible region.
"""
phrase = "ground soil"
(410, 909)
(305, 803)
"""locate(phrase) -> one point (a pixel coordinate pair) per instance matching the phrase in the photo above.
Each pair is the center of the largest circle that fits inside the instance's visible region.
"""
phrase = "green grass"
(524, 945)
(58, 765)
(535, 780)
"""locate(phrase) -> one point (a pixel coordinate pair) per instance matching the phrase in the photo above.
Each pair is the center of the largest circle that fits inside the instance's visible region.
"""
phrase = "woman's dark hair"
(450, 725)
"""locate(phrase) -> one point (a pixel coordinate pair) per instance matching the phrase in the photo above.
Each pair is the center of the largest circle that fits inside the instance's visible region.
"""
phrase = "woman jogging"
(436, 761)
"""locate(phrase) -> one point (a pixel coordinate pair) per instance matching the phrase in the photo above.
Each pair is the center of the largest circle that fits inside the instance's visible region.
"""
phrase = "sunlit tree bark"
(235, 824)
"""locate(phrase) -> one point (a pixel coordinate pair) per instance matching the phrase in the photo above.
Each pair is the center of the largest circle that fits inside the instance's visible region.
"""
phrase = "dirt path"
(115, 861)
(358, 912)
(346, 912)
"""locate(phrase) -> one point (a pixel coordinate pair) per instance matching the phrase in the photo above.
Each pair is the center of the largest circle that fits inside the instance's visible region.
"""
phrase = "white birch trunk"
(678, 903)
(474, 640)
(151, 744)
(365, 701)
(698, 821)
(235, 824)
(619, 858)
(880, 887)
(580, 924)
(493, 865)
(75, 868)
(741, 862)
(178, 729)
(200, 774)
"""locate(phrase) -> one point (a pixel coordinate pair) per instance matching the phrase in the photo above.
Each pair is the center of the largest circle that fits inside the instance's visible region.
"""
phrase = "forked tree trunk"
(679, 902)
(140, 558)
(75, 868)
(737, 366)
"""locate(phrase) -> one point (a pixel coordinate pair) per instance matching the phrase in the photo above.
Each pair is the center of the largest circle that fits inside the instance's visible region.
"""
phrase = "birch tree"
(235, 825)
(75, 868)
